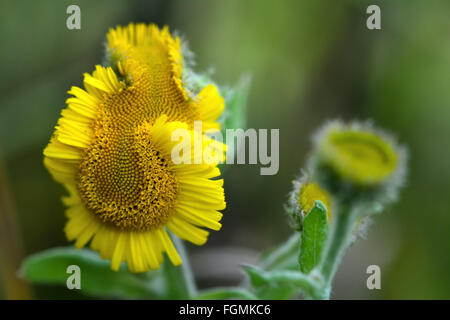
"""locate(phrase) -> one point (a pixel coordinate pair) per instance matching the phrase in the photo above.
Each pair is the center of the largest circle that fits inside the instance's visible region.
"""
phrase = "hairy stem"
(283, 254)
(185, 268)
(337, 244)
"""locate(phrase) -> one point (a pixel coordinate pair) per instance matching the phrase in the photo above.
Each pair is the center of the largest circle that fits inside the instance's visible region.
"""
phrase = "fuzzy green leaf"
(281, 284)
(266, 287)
(96, 277)
(314, 237)
(256, 275)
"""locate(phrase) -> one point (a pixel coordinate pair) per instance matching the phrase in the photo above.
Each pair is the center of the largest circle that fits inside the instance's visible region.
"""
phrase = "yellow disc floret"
(125, 180)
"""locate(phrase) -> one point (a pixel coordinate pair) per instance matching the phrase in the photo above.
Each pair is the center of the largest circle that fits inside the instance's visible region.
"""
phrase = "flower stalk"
(339, 240)
(184, 271)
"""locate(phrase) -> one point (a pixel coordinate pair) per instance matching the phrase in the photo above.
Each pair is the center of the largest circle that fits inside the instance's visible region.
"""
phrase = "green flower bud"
(356, 161)
(302, 198)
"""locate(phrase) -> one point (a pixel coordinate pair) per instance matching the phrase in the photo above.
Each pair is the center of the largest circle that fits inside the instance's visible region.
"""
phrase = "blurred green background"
(310, 61)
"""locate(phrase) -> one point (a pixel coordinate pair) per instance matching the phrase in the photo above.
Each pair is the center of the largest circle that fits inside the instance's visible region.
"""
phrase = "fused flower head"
(151, 62)
(112, 151)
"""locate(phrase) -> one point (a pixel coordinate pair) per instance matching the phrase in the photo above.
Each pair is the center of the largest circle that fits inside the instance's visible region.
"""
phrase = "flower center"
(123, 179)
(155, 79)
(153, 90)
(363, 157)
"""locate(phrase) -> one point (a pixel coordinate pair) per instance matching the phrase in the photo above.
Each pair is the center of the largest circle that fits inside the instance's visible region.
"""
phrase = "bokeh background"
(310, 61)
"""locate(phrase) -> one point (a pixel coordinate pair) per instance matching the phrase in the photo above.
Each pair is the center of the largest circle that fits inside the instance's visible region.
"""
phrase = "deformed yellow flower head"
(151, 61)
(357, 153)
(311, 192)
(112, 151)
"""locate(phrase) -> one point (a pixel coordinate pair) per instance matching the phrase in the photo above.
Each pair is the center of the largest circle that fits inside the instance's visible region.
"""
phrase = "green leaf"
(257, 276)
(278, 284)
(314, 237)
(265, 287)
(97, 279)
(276, 291)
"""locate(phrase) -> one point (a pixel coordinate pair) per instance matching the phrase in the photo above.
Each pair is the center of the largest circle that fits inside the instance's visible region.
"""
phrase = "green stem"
(282, 254)
(179, 280)
(337, 244)
(186, 269)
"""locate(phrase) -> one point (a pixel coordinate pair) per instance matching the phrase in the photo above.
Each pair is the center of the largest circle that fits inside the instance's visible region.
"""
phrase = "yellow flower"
(151, 62)
(309, 193)
(357, 153)
(112, 151)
